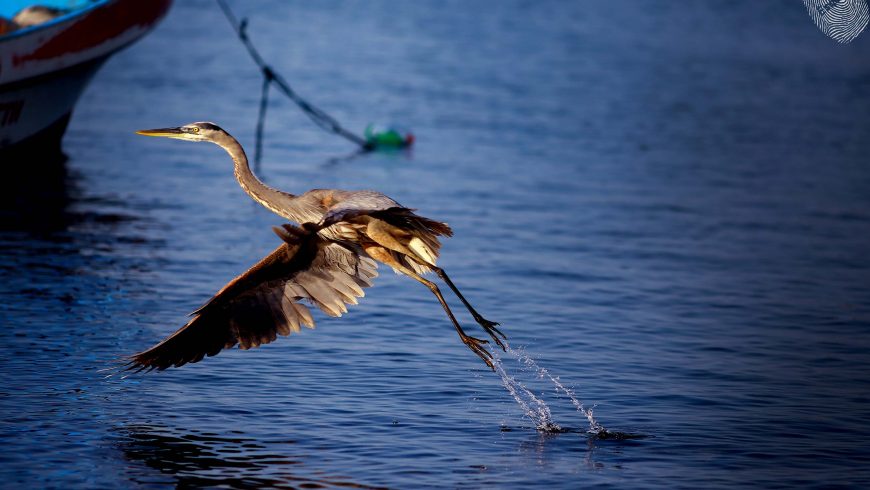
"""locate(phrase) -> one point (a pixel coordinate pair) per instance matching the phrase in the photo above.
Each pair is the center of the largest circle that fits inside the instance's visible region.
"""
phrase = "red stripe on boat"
(98, 27)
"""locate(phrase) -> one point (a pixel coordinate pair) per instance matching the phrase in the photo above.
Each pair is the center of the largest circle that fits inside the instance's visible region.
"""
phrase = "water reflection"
(576, 447)
(338, 160)
(191, 459)
(38, 195)
(404, 154)
(62, 255)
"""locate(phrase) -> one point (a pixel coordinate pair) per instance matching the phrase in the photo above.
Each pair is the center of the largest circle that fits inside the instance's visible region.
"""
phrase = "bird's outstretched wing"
(265, 301)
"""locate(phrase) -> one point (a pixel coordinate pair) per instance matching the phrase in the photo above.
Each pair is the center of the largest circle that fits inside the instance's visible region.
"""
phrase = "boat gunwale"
(70, 17)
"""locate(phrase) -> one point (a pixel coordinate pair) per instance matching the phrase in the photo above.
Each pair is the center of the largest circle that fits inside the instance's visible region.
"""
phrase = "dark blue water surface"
(667, 204)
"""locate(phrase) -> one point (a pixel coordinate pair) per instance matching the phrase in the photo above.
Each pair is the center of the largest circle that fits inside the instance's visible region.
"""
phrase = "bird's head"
(198, 131)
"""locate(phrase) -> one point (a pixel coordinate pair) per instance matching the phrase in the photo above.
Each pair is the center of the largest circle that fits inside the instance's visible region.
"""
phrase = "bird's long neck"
(274, 200)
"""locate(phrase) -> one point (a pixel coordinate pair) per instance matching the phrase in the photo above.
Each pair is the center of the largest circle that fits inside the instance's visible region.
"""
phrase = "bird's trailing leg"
(476, 345)
(488, 326)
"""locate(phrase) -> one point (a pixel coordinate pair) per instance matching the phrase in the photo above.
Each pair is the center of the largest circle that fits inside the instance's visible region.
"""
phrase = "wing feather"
(256, 307)
(304, 315)
(417, 234)
(290, 313)
(351, 204)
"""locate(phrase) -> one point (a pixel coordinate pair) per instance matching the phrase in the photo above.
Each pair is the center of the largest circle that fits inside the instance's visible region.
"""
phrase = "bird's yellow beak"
(163, 132)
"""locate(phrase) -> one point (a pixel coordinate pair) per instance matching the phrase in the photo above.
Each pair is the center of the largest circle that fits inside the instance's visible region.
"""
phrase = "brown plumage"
(264, 302)
(379, 226)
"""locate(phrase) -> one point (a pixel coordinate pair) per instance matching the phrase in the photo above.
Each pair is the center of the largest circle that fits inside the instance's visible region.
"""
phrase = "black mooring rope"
(261, 121)
(319, 117)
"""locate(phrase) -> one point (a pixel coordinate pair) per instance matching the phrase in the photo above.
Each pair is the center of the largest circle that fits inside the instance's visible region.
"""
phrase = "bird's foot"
(476, 346)
(490, 328)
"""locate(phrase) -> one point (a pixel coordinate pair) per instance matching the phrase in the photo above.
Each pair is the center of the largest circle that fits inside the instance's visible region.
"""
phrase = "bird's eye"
(194, 129)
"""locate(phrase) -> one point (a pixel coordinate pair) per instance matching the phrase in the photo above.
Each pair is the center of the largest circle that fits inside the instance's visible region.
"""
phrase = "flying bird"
(366, 224)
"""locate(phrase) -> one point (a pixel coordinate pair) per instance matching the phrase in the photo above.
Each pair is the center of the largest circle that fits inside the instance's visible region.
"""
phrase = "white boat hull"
(44, 69)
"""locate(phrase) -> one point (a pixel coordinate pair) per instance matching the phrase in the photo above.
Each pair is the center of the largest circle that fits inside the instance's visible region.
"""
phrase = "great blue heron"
(365, 222)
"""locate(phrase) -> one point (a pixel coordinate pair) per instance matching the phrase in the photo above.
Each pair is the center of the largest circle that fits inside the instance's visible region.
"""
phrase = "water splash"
(594, 426)
(533, 407)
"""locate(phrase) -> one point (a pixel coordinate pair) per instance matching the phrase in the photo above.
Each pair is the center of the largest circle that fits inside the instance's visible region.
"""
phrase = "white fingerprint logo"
(841, 20)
